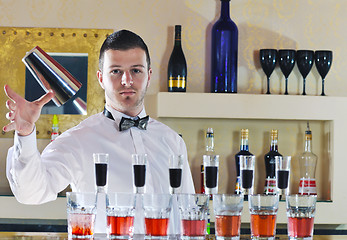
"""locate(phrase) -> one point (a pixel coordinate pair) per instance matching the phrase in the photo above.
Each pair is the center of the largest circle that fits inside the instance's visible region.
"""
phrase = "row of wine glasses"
(304, 59)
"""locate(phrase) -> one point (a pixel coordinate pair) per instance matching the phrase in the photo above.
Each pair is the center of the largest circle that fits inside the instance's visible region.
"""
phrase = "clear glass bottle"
(209, 150)
(177, 67)
(224, 51)
(308, 163)
(270, 164)
(244, 151)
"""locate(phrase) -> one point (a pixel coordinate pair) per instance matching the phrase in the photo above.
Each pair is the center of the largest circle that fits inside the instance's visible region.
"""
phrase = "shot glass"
(157, 208)
(120, 210)
(283, 175)
(211, 165)
(247, 164)
(193, 210)
(227, 210)
(300, 212)
(175, 172)
(263, 210)
(81, 211)
(139, 162)
(101, 163)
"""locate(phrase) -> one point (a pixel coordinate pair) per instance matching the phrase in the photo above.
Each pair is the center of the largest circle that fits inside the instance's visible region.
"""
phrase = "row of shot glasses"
(193, 208)
(193, 212)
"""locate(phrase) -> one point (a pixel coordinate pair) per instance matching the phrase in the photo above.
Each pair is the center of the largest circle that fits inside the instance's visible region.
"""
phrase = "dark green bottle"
(177, 67)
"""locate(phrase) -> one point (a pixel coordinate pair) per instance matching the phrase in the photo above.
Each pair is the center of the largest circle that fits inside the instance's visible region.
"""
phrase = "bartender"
(124, 74)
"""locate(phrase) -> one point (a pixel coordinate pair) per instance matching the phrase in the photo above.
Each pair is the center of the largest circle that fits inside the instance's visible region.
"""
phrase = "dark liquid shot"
(211, 176)
(139, 175)
(247, 178)
(282, 179)
(101, 174)
(175, 177)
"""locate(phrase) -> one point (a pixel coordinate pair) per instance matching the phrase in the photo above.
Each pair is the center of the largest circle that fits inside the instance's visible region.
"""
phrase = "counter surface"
(61, 236)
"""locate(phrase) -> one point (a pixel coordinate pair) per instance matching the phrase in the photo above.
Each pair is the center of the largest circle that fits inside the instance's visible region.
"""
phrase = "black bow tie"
(126, 123)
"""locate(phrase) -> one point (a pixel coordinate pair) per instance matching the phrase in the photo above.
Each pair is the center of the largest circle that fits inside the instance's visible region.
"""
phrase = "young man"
(125, 75)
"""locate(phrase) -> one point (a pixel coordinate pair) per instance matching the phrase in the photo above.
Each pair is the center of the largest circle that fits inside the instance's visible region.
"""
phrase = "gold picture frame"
(15, 42)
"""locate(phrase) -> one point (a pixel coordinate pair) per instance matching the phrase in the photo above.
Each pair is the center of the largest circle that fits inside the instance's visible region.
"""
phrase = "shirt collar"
(118, 115)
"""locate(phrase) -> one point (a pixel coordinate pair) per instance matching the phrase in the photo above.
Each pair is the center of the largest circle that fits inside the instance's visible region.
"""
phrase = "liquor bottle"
(270, 165)
(244, 151)
(224, 52)
(307, 163)
(209, 150)
(177, 67)
(55, 128)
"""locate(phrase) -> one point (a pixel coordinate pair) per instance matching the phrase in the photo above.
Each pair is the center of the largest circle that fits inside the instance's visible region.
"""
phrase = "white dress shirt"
(37, 178)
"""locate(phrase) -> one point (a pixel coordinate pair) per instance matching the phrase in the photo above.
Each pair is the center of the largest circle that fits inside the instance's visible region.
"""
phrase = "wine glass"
(268, 59)
(286, 62)
(175, 172)
(323, 60)
(304, 59)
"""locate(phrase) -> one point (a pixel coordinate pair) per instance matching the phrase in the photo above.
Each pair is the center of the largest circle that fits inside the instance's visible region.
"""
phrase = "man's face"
(125, 78)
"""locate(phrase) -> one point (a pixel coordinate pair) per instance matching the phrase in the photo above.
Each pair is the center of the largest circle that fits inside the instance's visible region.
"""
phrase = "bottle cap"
(244, 133)
(274, 133)
(209, 130)
(178, 28)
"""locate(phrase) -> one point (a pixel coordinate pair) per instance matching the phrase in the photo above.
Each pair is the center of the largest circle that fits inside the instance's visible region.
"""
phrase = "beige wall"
(299, 24)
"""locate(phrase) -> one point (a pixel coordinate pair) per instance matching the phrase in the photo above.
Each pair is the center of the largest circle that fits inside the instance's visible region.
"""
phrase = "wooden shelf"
(330, 110)
(247, 106)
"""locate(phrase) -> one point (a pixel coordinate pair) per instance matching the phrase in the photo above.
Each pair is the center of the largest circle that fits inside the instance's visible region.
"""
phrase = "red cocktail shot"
(156, 226)
(228, 226)
(120, 226)
(193, 228)
(263, 225)
(300, 227)
(81, 224)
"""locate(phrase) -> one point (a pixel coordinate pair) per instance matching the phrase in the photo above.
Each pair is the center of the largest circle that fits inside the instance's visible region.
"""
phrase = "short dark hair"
(123, 40)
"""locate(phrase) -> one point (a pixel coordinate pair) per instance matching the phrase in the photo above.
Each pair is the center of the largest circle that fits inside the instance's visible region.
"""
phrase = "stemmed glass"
(139, 162)
(175, 172)
(268, 59)
(286, 62)
(304, 59)
(323, 60)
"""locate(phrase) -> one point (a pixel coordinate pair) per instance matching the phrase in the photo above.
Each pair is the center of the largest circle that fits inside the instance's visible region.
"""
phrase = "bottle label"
(238, 185)
(178, 82)
(270, 186)
(307, 186)
(202, 172)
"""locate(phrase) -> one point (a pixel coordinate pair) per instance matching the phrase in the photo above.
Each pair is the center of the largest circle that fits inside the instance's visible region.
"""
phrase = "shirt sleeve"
(35, 179)
(187, 179)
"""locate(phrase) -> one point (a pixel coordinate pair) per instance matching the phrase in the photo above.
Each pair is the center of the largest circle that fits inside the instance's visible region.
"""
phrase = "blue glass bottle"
(224, 52)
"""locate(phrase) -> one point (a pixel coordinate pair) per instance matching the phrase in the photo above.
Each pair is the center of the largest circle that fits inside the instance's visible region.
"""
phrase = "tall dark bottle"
(224, 52)
(244, 151)
(270, 164)
(177, 67)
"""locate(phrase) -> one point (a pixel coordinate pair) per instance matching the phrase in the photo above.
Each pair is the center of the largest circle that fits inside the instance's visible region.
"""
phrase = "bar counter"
(63, 236)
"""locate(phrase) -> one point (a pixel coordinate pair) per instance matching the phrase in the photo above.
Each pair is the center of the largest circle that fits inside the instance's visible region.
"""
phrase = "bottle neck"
(209, 143)
(274, 146)
(225, 10)
(178, 38)
(308, 144)
(244, 144)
